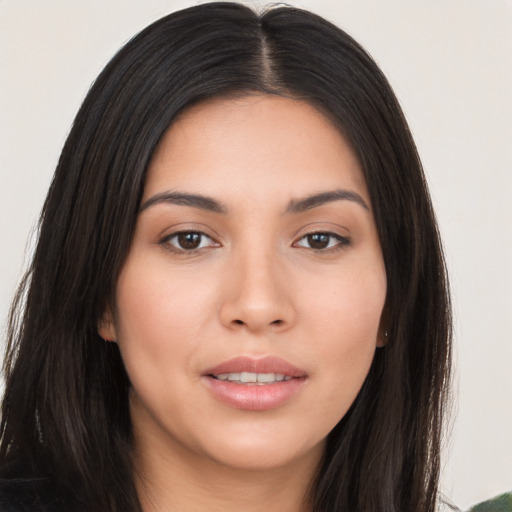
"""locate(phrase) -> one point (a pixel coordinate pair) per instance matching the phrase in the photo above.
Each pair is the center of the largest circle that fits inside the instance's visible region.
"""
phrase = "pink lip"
(268, 364)
(252, 397)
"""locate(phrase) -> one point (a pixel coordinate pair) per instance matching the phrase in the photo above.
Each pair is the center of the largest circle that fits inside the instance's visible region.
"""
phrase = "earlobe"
(382, 338)
(383, 333)
(106, 327)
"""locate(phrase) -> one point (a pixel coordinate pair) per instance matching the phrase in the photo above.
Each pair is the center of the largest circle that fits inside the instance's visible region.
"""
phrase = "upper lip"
(267, 364)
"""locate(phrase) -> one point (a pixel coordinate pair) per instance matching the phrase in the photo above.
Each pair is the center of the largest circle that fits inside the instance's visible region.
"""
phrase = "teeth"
(266, 377)
(248, 377)
(252, 378)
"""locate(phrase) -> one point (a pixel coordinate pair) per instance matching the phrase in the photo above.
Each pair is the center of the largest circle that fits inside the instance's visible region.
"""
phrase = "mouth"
(255, 384)
(251, 378)
(248, 370)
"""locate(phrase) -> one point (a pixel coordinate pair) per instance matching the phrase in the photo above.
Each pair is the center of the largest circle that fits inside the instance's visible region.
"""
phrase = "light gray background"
(449, 62)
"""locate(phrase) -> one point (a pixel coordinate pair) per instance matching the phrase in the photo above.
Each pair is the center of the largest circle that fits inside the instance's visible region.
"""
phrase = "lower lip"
(253, 397)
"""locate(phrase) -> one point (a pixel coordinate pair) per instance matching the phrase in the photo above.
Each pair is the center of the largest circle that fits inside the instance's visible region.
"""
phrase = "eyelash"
(340, 242)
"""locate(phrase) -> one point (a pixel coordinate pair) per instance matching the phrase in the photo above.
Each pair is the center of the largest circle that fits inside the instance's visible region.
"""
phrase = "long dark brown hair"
(65, 412)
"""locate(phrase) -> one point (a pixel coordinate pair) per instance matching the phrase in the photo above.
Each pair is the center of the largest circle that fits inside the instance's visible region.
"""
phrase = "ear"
(106, 326)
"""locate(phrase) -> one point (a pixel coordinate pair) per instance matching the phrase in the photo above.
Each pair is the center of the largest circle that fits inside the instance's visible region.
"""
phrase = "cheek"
(350, 303)
(160, 317)
(345, 320)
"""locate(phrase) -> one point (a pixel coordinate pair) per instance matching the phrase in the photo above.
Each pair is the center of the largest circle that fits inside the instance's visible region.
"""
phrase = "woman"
(238, 296)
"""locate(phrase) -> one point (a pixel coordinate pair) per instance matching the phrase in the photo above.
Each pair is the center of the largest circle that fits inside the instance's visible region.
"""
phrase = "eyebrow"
(183, 199)
(316, 200)
(212, 205)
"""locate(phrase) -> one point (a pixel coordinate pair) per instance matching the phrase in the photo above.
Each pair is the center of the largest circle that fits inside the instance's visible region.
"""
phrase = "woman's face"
(255, 258)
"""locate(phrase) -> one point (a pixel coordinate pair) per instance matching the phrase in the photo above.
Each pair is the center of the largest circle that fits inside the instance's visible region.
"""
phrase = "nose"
(258, 295)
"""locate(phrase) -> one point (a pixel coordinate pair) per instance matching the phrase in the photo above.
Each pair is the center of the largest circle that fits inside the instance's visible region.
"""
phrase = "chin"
(262, 452)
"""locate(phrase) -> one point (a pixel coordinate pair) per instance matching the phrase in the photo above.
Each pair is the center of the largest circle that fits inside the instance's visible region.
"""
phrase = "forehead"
(252, 144)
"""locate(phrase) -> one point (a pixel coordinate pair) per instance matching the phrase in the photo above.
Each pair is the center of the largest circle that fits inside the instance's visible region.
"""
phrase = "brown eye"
(188, 241)
(318, 240)
(322, 241)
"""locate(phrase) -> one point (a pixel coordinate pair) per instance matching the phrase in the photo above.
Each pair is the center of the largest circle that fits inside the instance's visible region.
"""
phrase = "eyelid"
(186, 227)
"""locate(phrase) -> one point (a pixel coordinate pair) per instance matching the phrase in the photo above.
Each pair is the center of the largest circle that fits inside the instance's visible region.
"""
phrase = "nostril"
(274, 322)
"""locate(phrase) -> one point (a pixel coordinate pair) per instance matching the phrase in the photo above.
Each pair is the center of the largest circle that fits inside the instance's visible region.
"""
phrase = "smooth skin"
(255, 238)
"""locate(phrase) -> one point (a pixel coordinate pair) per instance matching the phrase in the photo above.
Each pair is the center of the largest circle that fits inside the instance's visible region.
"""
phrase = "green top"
(502, 503)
